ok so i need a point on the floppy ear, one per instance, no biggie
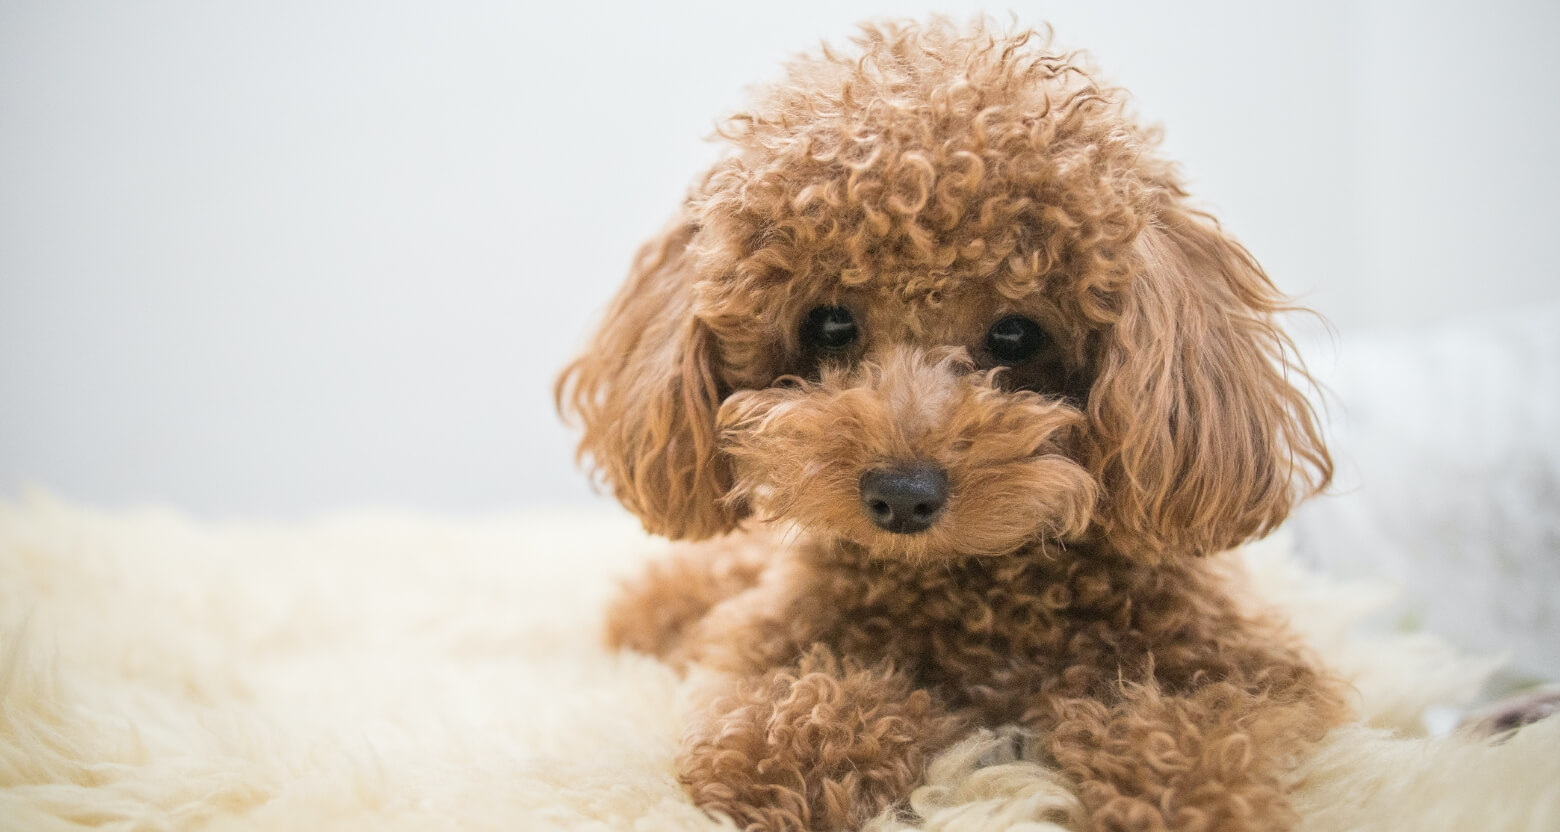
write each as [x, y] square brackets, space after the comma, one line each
[646, 394]
[1204, 442]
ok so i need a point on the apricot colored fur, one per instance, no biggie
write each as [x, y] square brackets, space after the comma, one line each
[932, 181]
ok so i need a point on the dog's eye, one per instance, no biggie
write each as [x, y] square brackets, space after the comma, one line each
[1014, 339]
[829, 328]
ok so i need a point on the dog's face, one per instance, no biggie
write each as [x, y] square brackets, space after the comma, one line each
[943, 299]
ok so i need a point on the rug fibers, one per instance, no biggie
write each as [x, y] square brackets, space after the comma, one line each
[398, 672]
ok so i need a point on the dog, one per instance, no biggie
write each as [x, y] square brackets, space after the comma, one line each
[963, 400]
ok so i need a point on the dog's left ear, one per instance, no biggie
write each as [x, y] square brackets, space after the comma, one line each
[1203, 439]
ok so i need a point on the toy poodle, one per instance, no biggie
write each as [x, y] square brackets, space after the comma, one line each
[969, 400]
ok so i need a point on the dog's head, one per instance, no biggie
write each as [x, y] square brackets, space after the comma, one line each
[943, 298]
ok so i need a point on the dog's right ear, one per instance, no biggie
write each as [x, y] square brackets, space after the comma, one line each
[646, 393]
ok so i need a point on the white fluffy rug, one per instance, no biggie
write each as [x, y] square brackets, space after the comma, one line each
[396, 672]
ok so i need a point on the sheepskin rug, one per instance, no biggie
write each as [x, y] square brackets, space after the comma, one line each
[387, 671]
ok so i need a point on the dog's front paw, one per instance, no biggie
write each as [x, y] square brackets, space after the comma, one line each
[824, 745]
[655, 611]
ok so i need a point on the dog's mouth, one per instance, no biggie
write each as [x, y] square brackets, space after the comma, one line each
[909, 459]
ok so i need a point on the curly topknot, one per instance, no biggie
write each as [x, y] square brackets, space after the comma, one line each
[935, 155]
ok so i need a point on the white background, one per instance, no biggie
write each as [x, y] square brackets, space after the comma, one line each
[274, 259]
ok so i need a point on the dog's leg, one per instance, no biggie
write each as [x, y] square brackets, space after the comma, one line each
[655, 609]
[1214, 758]
[821, 745]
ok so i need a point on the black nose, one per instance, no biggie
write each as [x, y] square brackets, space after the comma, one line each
[905, 499]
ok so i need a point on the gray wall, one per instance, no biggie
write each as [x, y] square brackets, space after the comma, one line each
[284, 258]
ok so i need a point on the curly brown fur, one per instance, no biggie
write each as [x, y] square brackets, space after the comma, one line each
[819, 743]
[932, 183]
[678, 590]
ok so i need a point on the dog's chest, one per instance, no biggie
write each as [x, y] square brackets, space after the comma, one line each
[985, 623]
